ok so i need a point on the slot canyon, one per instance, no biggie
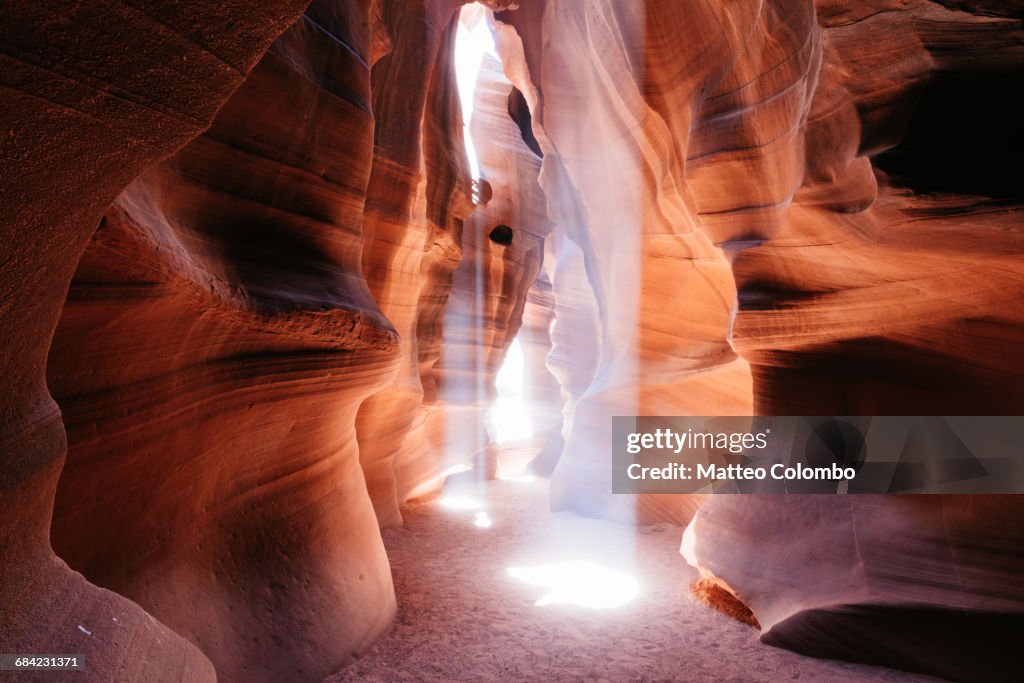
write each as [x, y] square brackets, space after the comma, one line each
[314, 317]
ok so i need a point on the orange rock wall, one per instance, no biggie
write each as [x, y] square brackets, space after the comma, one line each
[810, 162]
[93, 93]
[281, 314]
[217, 342]
[491, 286]
[418, 196]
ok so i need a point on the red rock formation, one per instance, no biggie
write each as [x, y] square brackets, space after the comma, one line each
[286, 328]
[865, 297]
[93, 93]
[418, 196]
[859, 293]
[230, 330]
[245, 256]
[213, 470]
[503, 246]
[926, 583]
[643, 299]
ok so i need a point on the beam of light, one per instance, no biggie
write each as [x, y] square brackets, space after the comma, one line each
[578, 582]
[482, 520]
[468, 436]
[508, 418]
[473, 40]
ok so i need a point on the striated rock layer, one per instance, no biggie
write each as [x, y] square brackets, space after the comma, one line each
[418, 195]
[894, 295]
[643, 297]
[888, 294]
[216, 344]
[246, 358]
[782, 154]
[283, 327]
[503, 249]
[240, 357]
[926, 583]
[92, 94]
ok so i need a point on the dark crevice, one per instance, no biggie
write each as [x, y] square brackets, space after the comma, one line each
[502, 234]
[964, 138]
[520, 113]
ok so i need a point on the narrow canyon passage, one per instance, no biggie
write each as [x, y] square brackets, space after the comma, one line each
[463, 616]
[291, 290]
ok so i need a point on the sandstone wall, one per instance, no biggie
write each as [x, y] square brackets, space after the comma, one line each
[784, 155]
[261, 286]
[93, 93]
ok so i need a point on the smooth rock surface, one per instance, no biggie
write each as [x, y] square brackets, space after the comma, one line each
[93, 93]
[785, 157]
[271, 302]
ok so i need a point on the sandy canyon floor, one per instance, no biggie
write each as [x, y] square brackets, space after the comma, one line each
[463, 616]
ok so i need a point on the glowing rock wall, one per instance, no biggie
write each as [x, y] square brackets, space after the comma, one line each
[93, 94]
[782, 155]
[281, 310]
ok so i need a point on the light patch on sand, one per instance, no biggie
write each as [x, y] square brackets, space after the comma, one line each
[578, 582]
[460, 503]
